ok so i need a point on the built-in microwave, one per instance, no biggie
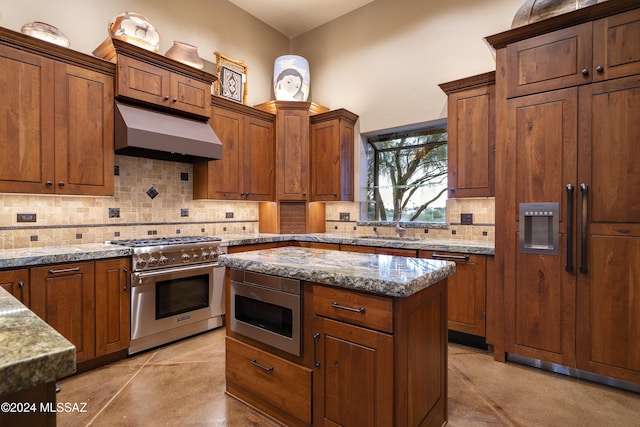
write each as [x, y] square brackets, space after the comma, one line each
[267, 309]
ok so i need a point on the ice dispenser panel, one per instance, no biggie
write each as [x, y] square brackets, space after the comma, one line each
[539, 224]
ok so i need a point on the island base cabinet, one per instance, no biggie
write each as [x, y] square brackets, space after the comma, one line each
[363, 376]
[269, 383]
[352, 382]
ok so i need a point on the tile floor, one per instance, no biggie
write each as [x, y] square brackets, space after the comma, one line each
[183, 385]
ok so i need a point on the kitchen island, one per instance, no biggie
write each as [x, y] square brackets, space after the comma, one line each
[32, 356]
[373, 339]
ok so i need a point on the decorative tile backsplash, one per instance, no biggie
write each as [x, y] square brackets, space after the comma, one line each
[154, 197]
[131, 213]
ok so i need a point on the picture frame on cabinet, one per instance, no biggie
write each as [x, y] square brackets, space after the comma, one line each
[232, 78]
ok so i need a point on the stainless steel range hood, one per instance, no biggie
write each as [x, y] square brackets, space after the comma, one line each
[147, 133]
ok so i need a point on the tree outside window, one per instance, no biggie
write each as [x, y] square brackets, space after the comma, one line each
[407, 175]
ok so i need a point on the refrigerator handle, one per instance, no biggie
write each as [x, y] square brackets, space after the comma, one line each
[584, 189]
[569, 265]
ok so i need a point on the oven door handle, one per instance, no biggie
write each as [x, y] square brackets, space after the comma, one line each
[138, 277]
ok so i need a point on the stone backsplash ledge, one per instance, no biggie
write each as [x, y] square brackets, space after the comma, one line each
[154, 197]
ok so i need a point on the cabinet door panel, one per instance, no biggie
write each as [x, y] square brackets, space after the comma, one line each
[616, 44]
[225, 179]
[26, 122]
[113, 306]
[353, 384]
[325, 178]
[84, 131]
[16, 282]
[471, 141]
[139, 80]
[63, 296]
[608, 291]
[293, 154]
[258, 160]
[190, 95]
[539, 293]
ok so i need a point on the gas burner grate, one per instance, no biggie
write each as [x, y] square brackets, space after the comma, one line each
[162, 241]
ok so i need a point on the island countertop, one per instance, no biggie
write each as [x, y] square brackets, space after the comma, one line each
[32, 352]
[386, 275]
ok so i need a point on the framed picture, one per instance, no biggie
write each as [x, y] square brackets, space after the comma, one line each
[232, 78]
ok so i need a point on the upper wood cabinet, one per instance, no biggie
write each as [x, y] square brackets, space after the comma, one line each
[154, 79]
[56, 130]
[246, 170]
[292, 147]
[332, 147]
[593, 51]
[471, 131]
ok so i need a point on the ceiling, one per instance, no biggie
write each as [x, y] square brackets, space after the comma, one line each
[294, 17]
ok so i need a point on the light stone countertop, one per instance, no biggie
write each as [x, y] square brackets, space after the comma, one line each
[31, 352]
[387, 275]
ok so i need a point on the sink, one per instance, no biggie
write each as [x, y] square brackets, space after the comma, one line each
[404, 239]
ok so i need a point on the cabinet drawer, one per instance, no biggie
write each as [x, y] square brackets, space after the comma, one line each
[268, 379]
[550, 61]
[369, 311]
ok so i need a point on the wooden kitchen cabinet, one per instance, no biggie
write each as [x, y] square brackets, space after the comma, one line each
[268, 382]
[381, 361]
[581, 54]
[155, 79]
[63, 295]
[471, 130]
[247, 168]
[332, 155]
[113, 302]
[466, 291]
[16, 282]
[57, 119]
[574, 144]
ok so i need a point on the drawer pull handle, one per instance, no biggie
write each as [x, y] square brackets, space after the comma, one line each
[254, 362]
[342, 307]
[64, 270]
[21, 286]
[464, 257]
[316, 337]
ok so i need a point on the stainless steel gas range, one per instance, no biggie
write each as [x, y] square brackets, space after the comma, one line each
[177, 288]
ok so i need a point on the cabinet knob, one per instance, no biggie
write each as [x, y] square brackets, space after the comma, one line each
[600, 68]
[585, 72]
[49, 183]
[453, 190]
[335, 195]
[166, 98]
[175, 100]
[61, 184]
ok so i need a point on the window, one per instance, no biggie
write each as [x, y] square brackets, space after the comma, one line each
[407, 175]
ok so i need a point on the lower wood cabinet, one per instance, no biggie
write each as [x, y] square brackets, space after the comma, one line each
[466, 292]
[379, 361]
[64, 297]
[16, 282]
[270, 383]
[86, 302]
[113, 302]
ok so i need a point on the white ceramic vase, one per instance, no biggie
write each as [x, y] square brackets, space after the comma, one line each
[291, 78]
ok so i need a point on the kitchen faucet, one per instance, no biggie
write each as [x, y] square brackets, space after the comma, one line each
[399, 230]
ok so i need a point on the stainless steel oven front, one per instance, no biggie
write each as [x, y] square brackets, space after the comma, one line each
[267, 309]
[176, 302]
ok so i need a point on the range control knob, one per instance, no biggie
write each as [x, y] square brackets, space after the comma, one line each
[153, 261]
[204, 255]
[163, 260]
[141, 263]
[185, 257]
[195, 256]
